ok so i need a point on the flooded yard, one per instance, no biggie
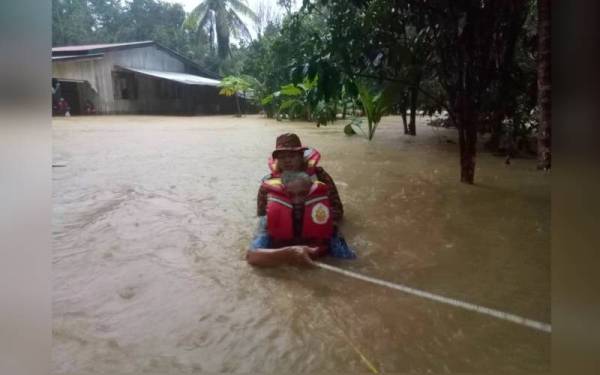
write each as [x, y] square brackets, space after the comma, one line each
[152, 217]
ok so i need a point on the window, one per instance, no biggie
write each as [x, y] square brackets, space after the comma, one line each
[124, 85]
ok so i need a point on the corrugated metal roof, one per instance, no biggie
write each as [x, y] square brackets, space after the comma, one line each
[77, 57]
[89, 49]
[188, 79]
[94, 47]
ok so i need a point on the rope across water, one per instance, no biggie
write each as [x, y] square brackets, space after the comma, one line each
[540, 326]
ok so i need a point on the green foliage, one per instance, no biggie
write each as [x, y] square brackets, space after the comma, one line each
[286, 4]
[256, 90]
[72, 22]
[267, 99]
[221, 19]
[291, 90]
[282, 49]
[323, 113]
[294, 108]
[354, 127]
[294, 101]
[374, 105]
[232, 85]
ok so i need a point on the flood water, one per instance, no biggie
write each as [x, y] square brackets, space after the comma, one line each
[152, 217]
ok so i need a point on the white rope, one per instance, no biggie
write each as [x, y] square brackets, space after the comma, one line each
[449, 301]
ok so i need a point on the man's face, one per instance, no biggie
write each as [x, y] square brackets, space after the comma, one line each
[298, 191]
[289, 161]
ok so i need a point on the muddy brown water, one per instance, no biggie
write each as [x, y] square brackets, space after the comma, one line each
[152, 217]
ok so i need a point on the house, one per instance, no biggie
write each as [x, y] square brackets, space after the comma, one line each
[138, 77]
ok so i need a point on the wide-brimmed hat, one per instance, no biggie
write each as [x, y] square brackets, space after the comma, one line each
[288, 142]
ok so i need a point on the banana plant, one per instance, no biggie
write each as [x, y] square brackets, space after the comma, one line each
[256, 89]
[293, 100]
[271, 103]
[233, 86]
[374, 105]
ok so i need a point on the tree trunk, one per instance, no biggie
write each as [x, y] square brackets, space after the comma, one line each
[334, 111]
[544, 137]
[467, 137]
[467, 112]
[512, 144]
[244, 109]
[344, 108]
[237, 103]
[495, 131]
[414, 95]
[505, 105]
[403, 114]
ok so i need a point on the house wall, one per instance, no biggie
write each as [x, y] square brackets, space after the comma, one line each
[98, 72]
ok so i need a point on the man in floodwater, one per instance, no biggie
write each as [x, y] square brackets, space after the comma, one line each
[298, 225]
[291, 156]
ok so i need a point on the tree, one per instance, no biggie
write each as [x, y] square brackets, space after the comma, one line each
[384, 40]
[281, 49]
[259, 61]
[111, 20]
[465, 43]
[72, 22]
[152, 20]
[221, 19]
[287, 5]
[544, 85]
[470, 38]
[402, 52]
[509, 101]
[114, 21]
[266, 15]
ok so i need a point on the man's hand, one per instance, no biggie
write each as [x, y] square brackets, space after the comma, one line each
[292, 255]
[302, 255]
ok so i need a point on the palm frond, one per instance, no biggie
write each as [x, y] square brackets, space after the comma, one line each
[240, 6]
[198, 17]
[198, 13]
[238, 28]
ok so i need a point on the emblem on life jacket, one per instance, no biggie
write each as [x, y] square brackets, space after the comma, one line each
[320, 213]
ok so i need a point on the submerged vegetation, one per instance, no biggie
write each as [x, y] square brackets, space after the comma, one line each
[483, 64]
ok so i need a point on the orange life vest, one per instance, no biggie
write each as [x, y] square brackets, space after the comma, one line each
[311, 157]
[317, 222]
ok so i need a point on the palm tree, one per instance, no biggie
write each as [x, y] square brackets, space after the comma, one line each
[221, 19]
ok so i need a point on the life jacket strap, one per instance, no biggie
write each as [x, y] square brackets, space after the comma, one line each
[280, 201]
[314, 200]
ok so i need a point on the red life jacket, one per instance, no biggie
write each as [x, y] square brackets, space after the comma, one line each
[311, 157]
[317, 222]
